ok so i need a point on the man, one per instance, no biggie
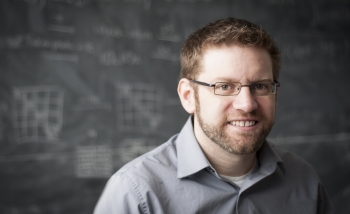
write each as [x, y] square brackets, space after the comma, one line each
[221, 162]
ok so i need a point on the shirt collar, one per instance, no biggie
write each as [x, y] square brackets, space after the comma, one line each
[191, 158]
[268, 158]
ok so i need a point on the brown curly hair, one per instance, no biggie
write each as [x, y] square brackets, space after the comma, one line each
[229, 31]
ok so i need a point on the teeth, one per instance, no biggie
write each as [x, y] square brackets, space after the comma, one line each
[243, 123]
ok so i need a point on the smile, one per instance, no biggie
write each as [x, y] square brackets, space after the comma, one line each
[243, 123]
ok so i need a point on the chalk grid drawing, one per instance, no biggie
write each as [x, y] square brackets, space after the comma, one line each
[133, 148]
[139, 107]
[94, 161]
[38, 113]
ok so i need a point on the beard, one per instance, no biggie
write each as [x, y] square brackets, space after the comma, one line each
[239, 143]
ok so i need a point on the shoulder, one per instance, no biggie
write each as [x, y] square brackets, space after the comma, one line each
[129, 189]
[151, 162]
[147, 171]
[293, 163]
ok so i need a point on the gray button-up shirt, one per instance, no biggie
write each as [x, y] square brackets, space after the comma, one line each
[176, 177]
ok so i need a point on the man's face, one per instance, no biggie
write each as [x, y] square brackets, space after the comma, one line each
[240, 123]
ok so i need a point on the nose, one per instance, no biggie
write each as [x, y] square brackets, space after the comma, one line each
[245, 101]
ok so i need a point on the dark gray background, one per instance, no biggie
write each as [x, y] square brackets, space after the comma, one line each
[87, 85]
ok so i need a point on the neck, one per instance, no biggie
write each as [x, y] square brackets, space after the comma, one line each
[228, 164]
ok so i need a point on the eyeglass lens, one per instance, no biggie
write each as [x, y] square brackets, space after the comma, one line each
[258, 89]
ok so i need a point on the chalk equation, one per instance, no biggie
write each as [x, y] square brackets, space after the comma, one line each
[38, 113]
[133, 148]
[94, 161]
[117, 32]
[139, 107]
[37, 42]
[330, 47]
[110, 58]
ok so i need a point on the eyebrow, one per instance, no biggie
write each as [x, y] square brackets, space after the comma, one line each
[224, 79]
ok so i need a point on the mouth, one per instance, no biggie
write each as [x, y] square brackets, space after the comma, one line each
[243, 123]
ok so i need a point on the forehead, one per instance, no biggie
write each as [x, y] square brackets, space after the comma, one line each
[236, 63]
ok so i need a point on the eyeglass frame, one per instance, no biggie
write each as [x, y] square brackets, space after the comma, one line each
[275, 83]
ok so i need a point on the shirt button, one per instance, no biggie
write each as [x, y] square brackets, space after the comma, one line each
[211, 170]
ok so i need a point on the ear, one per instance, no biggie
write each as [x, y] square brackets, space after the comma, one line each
[186, 94]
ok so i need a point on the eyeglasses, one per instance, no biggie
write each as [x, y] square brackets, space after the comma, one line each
[233, 88]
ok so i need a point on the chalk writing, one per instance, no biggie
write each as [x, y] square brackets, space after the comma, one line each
[319, 46]
[116, 32]
[38, 42]
[58, 17]
[133, 148]
[335, 14]
[38, 157]
[299, 52]
[139, 35]
[38, 113]
[14, 42]
[94, 161]
[168, 33]
[139, 107]
[109, 31]
[110, 58]
[83, 3]
[165, 53]
[62, 29]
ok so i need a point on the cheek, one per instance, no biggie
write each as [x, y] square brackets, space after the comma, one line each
[213, 108]
[268, 107]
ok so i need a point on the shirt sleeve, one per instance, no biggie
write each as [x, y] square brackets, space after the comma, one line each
[324, 203]
[121, 195]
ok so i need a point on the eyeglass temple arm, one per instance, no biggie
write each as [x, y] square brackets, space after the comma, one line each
[202, 83]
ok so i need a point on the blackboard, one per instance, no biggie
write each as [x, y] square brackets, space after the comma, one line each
[87, 85]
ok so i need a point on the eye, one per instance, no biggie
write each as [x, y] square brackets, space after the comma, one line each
[225, 87]
[260, 86]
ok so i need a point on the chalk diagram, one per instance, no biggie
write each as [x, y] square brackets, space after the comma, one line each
[38, 113]
[94, 161]
[133, 148]
[139, 107]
